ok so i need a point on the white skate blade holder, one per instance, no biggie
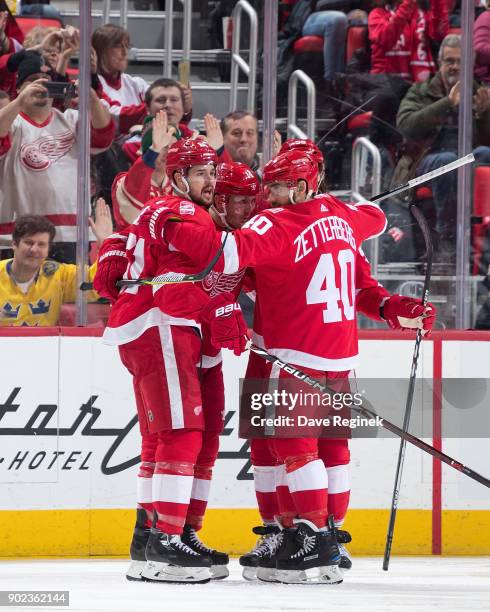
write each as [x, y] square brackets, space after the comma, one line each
[135, 570]
[249, 573]
[267, 574]
[329, 574]
[219, 572]
[163, 572]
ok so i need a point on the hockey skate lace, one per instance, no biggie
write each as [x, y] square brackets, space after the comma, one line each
[198, 544]
[177, 542]
[308, 546]
[273, 543]
[264, 544]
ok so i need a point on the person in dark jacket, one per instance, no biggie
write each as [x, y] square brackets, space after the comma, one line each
[428, 119]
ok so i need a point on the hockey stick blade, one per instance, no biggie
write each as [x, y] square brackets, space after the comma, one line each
[175, 277]
[367, 411]
[419, 180]
[168, 278]
[424, 227]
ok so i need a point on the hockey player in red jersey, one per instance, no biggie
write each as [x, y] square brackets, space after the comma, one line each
[272, 494]
[159, 345]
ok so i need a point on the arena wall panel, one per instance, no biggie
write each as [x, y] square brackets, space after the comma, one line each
[69, 446]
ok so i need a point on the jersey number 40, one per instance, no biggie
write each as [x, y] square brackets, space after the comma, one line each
[323, 288]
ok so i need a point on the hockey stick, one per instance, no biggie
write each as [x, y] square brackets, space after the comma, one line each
[175, 277]
[467, 159]
[367, 411]
[422, 222]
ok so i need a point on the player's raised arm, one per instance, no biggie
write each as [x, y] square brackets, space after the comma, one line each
[259, 241]
[368, 219]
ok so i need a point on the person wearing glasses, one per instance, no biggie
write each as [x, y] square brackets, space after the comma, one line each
[428, 119]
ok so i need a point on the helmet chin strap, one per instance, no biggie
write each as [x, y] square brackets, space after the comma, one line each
[221, 215]
[187, 186]
[292, 199]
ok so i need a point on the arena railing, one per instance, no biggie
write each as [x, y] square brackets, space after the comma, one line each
[237, 61]
[293, 129]
[362, 149]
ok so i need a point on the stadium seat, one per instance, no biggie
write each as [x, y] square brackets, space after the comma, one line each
[27, 23]
[308, 44]
[308, 56]
[481, 214]
[357, 38]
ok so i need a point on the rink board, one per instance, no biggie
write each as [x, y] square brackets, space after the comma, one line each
[69, 447]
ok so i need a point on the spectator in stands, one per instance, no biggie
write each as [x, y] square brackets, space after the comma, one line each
[241, 137]
[481, 38]
[39, 151]
[33, 287]
[330, 18]
[11, 39]
[163, 94]
[400, 34]
[428, 118]
[56, 45]
[111, 45]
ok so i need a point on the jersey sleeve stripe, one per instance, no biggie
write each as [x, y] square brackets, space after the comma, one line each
[230, 253]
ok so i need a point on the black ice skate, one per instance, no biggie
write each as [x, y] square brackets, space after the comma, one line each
[280, 546]
[267, 540]
[317, 559]
[170, 560]
[344, 537]
[220, 560]
[141, 534]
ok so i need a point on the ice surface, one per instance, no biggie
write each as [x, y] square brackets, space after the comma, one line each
[412, 583]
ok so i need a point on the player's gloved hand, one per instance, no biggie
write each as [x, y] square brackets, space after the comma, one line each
[226, 323]
[401, 312]
[111, 267]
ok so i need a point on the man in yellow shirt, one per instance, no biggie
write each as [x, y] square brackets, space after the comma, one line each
[32, 287]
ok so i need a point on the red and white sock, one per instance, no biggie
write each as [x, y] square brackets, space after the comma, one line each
[306, 477]
[176, 456]
[201, 486]
[338, 492]
[265, 491]
[171, 492]
[285, 502]
[144, 494]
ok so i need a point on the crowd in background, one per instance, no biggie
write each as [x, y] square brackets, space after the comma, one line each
[408, 69]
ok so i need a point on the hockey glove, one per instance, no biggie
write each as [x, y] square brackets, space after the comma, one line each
[401, 312]
[110, 269]
[227, 326]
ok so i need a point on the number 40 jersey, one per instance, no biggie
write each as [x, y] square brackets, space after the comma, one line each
[303, 258]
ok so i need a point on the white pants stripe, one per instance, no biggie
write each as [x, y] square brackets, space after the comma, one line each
[175, 396]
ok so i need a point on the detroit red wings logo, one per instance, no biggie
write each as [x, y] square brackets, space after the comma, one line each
[44, 151]
[217, 282]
